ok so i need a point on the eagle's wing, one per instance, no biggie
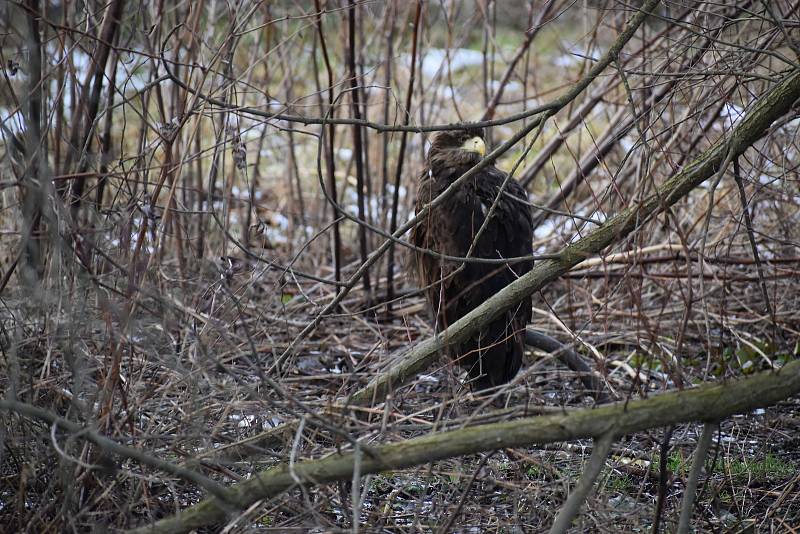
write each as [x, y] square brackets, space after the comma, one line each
[512, 224]
[494, 355]
[439, 231]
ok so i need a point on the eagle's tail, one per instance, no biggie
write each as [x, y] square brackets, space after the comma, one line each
[495, 355]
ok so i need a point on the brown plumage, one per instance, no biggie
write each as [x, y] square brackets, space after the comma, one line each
[494, 355]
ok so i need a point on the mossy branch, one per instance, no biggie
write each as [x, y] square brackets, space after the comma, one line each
[704, 403]
[767, 109]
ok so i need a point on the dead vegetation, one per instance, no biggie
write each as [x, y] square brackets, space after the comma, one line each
[173, 279]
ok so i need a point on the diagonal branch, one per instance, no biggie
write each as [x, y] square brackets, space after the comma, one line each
[611, 55]
[766, 110]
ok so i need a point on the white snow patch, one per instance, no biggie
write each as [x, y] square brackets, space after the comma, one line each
[436, 60]
[428, 378]
[544, 230]
[281, 220]
[731, 113]
[626, 143]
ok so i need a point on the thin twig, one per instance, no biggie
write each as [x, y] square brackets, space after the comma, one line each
[663, 471]
[748, 221]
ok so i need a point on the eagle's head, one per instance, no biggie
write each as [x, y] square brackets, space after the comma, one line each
[456, 147]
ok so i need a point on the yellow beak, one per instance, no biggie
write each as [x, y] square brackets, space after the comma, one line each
[475, 144]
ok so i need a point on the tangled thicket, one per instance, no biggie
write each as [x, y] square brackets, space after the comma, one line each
[186, 187]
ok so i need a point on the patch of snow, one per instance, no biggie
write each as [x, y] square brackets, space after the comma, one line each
[791, 127]
[627, 143]
[401, 193]
[446, 92]
[428, 378]
[436, 60]
[272, 422]
[281, 220]
[565, 60]
[766, 179]
[544, 230]
[253, 132]
[511, 86]
[731, 113]
[574, 54]
[243, 421]
[15, 123]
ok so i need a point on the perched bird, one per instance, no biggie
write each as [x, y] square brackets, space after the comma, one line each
[453, 288]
